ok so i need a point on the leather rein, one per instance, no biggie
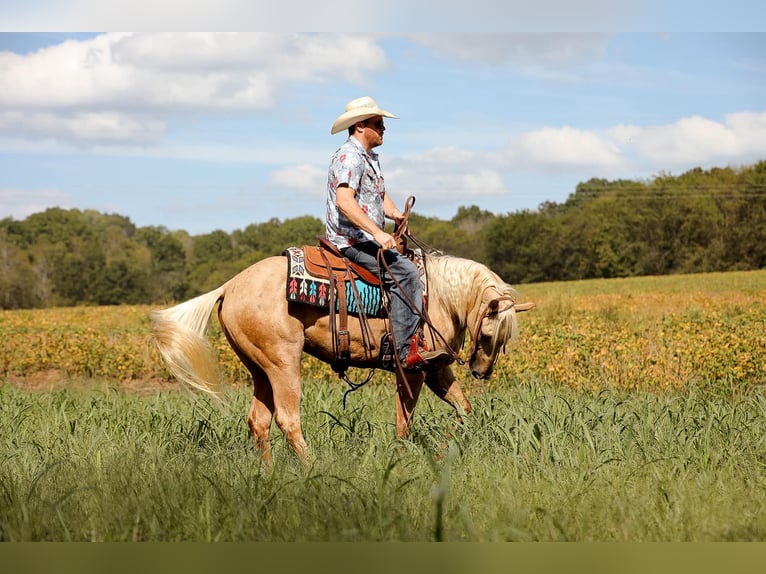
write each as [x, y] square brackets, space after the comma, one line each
[484, 314]
[401, 235]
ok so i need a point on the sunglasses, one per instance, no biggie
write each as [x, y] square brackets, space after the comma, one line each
[377, 126]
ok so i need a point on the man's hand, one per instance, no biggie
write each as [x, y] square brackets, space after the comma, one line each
[398, 218]
[385, 240]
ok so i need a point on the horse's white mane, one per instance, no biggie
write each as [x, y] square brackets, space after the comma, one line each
[459, 285]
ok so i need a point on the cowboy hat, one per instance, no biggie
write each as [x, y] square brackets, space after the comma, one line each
[358, 110]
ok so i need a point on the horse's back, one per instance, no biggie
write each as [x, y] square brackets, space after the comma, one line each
[262, 324]
[263, 272]
[256, 290]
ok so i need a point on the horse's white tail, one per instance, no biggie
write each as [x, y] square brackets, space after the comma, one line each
[179, 333]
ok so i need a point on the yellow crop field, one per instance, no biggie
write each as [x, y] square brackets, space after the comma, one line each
[649, 333]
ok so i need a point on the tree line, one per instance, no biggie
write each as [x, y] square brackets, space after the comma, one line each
[700, 221]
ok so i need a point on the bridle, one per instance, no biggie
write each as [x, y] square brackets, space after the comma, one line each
[401, 234]
[483, 315]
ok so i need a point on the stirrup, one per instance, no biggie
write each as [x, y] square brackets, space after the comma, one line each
[386, 356]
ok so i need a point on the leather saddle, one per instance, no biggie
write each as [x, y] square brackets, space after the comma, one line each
[325, 260]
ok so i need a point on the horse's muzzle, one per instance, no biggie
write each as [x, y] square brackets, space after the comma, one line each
[481, 376]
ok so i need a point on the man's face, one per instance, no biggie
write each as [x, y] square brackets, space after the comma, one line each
[373, 131]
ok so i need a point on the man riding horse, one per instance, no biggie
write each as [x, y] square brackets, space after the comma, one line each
[357, 206]
[269, 331]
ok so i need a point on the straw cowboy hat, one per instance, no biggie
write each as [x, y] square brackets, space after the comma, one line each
[358, 110]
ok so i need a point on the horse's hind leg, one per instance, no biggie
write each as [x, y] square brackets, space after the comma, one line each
[276, 396]
[261, 412]
[286, 389]
[256, 320]
[262, 406]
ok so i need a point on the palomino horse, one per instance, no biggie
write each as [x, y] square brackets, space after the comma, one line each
[268, 333]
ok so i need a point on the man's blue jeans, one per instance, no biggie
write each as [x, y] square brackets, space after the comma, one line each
[405, 320]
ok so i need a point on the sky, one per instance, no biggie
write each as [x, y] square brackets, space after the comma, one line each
[220, 130]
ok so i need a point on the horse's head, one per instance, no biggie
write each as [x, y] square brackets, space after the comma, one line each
[480, 303]
[495, 327]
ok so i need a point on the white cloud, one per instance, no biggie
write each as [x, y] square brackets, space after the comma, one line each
[446, 174]
[443, 175]
[696, 141]
[103, 126]
[130, 84]
[445, 183]
[627, 151]
[20, 204]
[551, 149]
[307, 179]
[689, 139]
[750, 128]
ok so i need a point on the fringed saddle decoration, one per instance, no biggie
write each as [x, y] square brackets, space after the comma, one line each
[313, 289]
[321, 276]
[306, 284]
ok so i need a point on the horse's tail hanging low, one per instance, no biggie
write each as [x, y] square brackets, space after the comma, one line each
[179, 334]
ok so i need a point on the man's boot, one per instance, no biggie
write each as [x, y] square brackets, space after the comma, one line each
[419, 355]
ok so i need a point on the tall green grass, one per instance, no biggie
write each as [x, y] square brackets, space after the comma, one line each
[629, 409]
[534, 462]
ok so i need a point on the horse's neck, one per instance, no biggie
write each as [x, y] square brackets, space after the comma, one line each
[462, 287]
[458, 289]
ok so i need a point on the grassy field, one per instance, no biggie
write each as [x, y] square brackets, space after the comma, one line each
[629, 410]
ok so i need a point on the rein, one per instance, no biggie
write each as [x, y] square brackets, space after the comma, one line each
[401, 235]
[484, 314]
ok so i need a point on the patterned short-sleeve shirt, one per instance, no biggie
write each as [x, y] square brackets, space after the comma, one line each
[360, 169]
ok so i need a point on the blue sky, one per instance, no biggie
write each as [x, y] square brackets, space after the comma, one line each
[218, 131]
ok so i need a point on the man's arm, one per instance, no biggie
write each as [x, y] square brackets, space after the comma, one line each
[345, 199]
[390, 209]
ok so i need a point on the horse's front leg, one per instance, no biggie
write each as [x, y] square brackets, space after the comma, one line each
[441, 380]
[405, 403]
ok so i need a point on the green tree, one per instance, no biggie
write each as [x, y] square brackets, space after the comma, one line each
[746, 239]
[78, 276]
[212, 247]
[167, 269]
[17, 277]
[524, 247]
[701, 220]
[121, 282]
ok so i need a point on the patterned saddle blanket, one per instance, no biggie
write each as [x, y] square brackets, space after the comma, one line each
[305, 286]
